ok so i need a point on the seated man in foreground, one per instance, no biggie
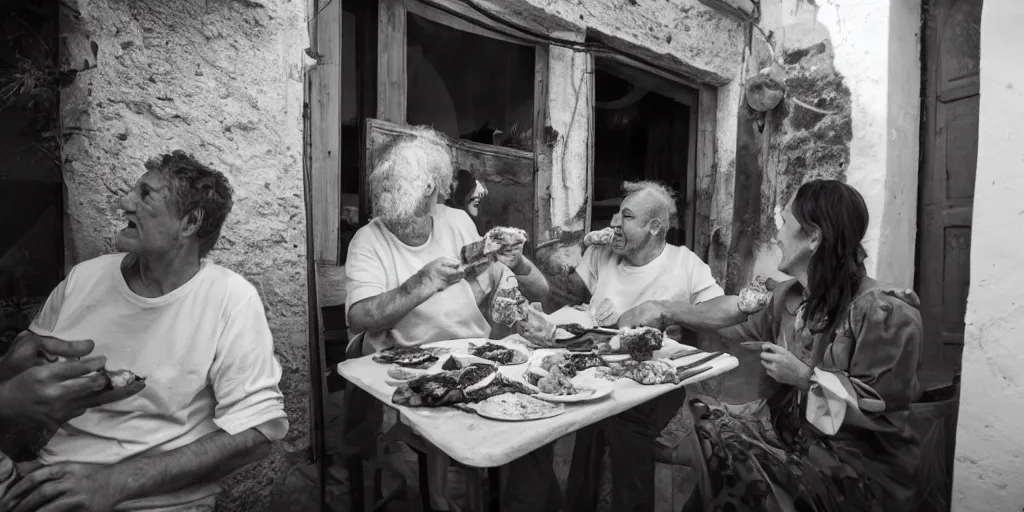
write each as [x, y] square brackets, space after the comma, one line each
[405, 283]
[196, 332]
[633, 267]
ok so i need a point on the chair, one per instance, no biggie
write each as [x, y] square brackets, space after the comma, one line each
[935, 418]
[330, 294]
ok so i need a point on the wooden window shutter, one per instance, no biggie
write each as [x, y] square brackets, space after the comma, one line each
[322, 187]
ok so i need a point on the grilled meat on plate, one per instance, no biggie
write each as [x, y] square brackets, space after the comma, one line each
[472, 383]
[554, 382]
[639, 342]
[571, 364]
[645, 372]
[499, 354]
[413, 357]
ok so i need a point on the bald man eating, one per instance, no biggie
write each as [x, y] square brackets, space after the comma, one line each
[637, 267]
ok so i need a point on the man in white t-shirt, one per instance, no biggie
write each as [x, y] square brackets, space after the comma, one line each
[637, 267]
[404, 282]
[196, 332]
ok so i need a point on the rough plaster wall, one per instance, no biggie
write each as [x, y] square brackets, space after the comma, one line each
[569, 83]
[220, 79]
[989, 466]
[695, 34]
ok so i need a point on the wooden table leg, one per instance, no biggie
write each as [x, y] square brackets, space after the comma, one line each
[424, 481]
[494, 488]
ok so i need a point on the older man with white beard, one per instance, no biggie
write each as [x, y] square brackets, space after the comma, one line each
[405, 285]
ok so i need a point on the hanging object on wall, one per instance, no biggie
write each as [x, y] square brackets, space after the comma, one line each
[766, 89]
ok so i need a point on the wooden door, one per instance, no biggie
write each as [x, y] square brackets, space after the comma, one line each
[949, 155]
[507, 173]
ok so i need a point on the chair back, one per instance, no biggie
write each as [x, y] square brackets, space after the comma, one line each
[934, 421]
[330, 285]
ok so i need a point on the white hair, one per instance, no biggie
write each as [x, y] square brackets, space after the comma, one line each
[665, 202]
[403, 170]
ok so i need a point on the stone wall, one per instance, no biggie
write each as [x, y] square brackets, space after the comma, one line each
[864, 68]
[222, 80]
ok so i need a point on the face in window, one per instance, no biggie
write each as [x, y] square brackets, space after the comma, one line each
[154, 225]
[473, 201]
[634, 228]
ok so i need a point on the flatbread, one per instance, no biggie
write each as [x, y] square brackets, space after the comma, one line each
[517, 407]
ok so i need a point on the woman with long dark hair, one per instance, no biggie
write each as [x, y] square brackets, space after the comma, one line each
[843, 353]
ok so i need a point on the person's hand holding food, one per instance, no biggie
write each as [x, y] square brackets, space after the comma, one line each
[755, 297]
[46, 384]
[440, 274]
[511, 256]
[31, 349]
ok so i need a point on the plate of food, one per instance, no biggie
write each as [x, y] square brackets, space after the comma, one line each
[559, 379]
[457, 385]
[517, 407]
[397, 374]
[502, 352]
[411, 357]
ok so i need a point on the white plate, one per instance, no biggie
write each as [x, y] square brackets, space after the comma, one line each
[591, 389]
[616, 358]
[496, 408]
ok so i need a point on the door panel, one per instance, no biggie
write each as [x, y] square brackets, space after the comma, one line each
[949, 153]
[507, 173]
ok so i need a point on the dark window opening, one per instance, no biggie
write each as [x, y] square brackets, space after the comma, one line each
[638, 135]
[469, 86]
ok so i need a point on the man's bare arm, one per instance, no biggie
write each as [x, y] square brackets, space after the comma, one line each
[532, 282]
[708, 316]
[208, 459]
[383, 311]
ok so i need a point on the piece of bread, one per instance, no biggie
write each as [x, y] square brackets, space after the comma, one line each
[602, 237]
[496, 240]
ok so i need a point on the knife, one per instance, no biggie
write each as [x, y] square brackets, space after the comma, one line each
[692, 373]
[578, 330]
[710, 357]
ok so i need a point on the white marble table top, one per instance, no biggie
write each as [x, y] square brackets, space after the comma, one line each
[480, 442]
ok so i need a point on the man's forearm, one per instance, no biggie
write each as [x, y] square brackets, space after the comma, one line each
[385, 310]
[208, 459]
[708, 316]
[532, 282]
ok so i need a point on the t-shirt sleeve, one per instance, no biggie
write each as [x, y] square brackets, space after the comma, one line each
[45, 321]
[464, 227]
[364, 270]
[588, 267]
[245, 375]
[703, 286]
